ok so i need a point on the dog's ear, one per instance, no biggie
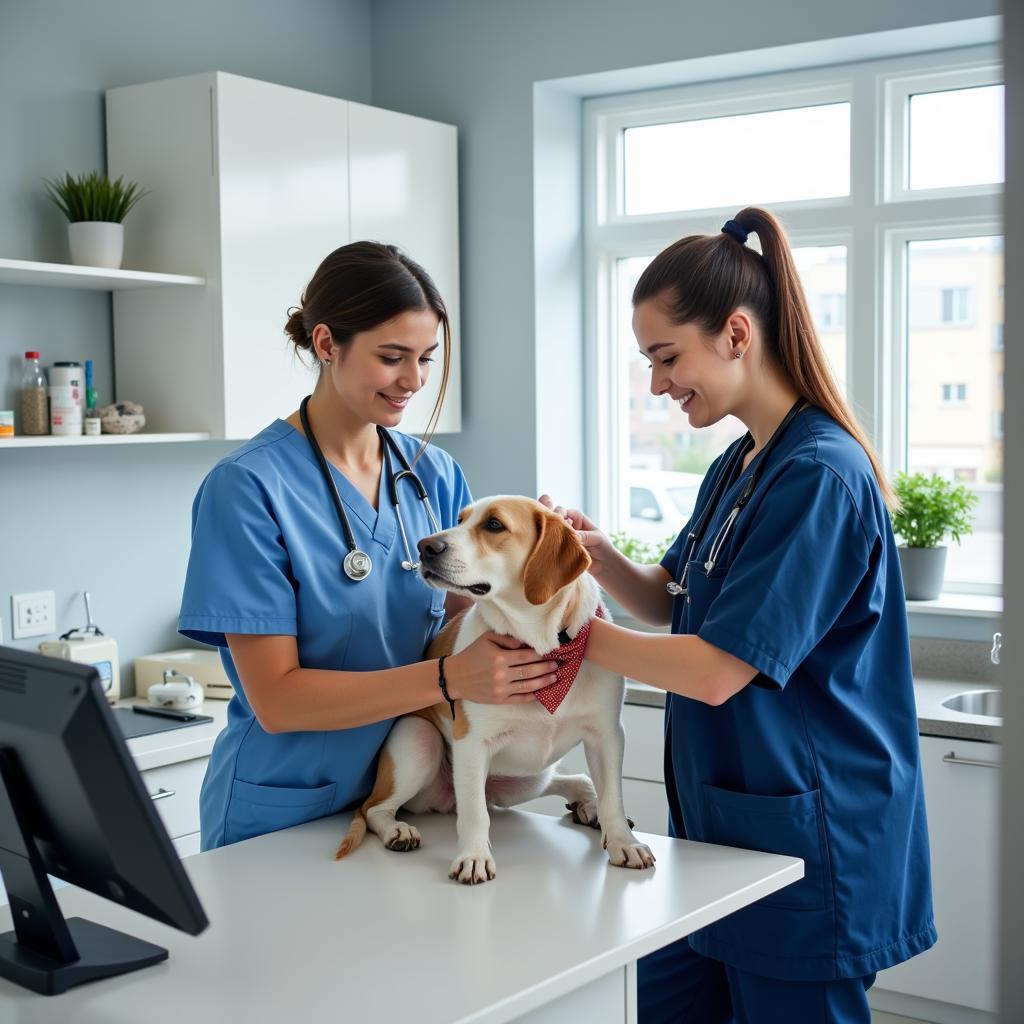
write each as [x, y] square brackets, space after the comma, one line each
[556, 560]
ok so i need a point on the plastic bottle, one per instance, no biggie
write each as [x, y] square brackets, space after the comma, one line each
[93, 426]
[90, 391]
[35, 415]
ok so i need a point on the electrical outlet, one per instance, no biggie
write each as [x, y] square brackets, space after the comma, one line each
[33, 614]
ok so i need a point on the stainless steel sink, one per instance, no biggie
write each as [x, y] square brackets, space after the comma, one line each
[977, 702]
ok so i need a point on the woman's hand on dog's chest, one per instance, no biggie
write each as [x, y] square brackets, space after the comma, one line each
[496, 669]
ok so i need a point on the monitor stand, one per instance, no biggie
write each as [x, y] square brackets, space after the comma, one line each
[45, 952]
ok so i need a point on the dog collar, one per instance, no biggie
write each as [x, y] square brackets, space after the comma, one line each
[569, 657]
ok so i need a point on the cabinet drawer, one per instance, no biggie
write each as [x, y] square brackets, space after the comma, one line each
[174, 789]
[645, 743]
[961, 788]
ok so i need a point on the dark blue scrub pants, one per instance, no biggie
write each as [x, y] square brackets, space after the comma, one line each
[675, 985]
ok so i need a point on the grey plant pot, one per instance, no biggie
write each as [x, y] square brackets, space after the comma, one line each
[923, 572]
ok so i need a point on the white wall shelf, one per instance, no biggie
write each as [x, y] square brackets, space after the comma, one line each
[51, 441]
[65, 275]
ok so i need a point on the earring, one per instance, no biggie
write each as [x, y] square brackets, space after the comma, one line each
[739, 355]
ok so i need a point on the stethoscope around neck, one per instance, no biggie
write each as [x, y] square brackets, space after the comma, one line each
[696, 535]
[357, 564]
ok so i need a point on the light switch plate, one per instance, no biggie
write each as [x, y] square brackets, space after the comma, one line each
[33, 614]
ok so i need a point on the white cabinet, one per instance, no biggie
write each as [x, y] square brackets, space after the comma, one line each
[961, 783]
[174, 790]
[403, 183]
[643, 778]
[251, 185]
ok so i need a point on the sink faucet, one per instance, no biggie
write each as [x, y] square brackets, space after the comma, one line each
[997, 646]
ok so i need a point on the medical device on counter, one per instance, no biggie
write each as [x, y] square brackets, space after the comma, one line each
[176, 691]
[89, 646]
[203, 666]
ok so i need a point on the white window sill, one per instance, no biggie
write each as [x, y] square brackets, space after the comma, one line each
[972, 617]
[985, 606]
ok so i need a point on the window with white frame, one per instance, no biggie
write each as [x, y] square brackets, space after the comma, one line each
[887, 176]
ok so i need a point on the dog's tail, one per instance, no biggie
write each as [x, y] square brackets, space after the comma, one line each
[354, 836]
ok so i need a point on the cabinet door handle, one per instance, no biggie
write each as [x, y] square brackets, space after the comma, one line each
[951, 758]
[162, 794]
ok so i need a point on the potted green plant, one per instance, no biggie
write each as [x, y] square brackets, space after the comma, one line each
[95, 207]
[930, 509]
[641, 551]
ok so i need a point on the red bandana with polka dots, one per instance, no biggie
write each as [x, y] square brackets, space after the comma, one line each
[569, 658]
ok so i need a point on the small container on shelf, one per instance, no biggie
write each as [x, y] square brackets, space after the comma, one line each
[6, 423]
[65, 412]
[35, 413]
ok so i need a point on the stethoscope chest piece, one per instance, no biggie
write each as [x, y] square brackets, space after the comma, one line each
[357, 565]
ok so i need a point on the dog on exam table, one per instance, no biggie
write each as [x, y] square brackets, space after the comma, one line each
[525, 569]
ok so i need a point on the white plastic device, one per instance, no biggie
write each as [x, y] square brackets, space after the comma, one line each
[176, 691]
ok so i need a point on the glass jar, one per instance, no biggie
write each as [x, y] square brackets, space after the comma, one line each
[35, 413]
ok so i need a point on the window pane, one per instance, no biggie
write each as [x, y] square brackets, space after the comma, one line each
[664, 458]
[803, 153]
[822, 271]
[955, 386]
[956, 137]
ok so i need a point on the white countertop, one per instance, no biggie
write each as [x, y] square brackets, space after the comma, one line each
[932, 718]
[935, 720]
[174, 745]
[298, 936]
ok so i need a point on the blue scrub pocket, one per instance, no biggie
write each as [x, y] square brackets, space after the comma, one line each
[255, 810]
[790, 825]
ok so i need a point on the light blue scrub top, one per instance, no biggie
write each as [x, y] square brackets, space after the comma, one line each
[266, 558]
[819, 757]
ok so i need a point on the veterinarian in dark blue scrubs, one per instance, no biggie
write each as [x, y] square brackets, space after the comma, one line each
[790, 720]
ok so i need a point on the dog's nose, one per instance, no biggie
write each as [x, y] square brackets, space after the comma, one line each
[431, 547]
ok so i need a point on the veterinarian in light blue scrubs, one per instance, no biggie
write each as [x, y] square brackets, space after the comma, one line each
[790, 718]
[266, 558]
[322, 659]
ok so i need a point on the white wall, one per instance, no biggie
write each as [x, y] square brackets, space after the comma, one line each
[116, 522]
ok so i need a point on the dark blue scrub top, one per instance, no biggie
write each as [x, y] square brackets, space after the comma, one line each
[819, 757]
[266, 558]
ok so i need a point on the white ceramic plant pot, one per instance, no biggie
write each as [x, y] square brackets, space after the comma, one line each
[923, 572]
[96, 243]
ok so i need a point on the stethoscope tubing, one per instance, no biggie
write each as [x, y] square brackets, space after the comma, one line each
[388, 445]
[696, 535]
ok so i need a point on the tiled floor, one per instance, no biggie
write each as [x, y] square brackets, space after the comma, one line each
[877, 1017]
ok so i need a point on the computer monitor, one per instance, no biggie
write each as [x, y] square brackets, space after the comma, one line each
[72, 805]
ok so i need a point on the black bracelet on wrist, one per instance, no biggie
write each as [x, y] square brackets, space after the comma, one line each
[443, 683]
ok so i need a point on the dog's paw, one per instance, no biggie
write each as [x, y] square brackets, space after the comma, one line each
[584, 813]
[402, 838]
[473, 866]
[629, 853]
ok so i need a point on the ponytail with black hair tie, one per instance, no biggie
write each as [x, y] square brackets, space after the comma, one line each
[736, 230]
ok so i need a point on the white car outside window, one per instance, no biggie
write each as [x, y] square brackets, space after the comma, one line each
[660, 503]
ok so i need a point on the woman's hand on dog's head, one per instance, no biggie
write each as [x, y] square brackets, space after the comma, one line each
[497, 669]
[599, 547]
[576, 519]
